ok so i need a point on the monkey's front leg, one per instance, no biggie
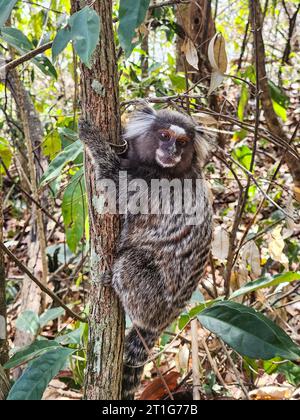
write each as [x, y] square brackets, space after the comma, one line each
[106, 161]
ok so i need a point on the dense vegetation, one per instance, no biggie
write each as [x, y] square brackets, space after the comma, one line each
[233, 66]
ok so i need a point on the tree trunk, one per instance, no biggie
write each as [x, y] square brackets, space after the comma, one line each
[107, 325]
[31, 296]
[3, 322]
[271, 118]
[196, 20]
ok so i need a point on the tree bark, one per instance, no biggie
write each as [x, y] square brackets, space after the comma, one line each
[100, 104]
[31, 296]
[197, 22]
[3, 319]
[271, 118]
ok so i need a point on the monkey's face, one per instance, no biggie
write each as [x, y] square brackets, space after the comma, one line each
[164, 139]
[174, 146]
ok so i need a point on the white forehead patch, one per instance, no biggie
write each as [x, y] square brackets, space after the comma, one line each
[179, 131]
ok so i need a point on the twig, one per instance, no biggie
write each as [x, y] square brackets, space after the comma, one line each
[213, 363]
[195, 361]
[46, 212]
[155, 365]
[44, 288]
[168, 3]
[26, 57]
[258, 186]
[236, 372]
[267, 192]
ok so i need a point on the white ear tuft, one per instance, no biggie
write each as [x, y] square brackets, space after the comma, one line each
[204, 143]
[139, 123]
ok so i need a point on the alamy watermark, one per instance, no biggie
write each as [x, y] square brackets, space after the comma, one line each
[159, 197]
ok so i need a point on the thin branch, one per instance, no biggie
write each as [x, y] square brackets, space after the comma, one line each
[21, 190]
[44, 288]
[213, 364]
[155, 365]
[26, 57]
[195, 361]
[236, 372]
[168, 3]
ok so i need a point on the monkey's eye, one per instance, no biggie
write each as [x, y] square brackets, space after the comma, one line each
[164, 135]
[182, 140]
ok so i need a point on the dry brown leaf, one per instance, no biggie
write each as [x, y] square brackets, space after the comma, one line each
[183, 357]
[271, 393]
[156, 390]
[218, 60]
[205, 119]
[190, 52]
[276, 246]
[220, 245]
[251, 256]
[217, 54]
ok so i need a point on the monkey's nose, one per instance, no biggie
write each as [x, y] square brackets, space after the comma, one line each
[171, 147]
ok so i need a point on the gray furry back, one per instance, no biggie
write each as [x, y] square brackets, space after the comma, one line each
[162, 253]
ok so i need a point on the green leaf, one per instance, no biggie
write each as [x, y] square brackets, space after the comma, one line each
[69, 154]
[178, 82]
[28, 322]
[264, 282]
[291, 372]
[199, 308]
[73, 337]
[278, 95]
[61, 41]
[50, 315]
[132, 14]
[243, 102]
[280, 111]
[37, 376]
[74, 209]
[30, 352]
[85, 30]
[52, 144]
[6, 7]
[183, 320]
[22, 44]
[16, 39]
[5, 155]
[248, 332]
[243, 155]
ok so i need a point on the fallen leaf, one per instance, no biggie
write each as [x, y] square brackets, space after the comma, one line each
[156, 390]
[183, 357]
[271, 393]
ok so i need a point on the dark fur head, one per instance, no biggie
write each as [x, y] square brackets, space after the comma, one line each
[165, 139]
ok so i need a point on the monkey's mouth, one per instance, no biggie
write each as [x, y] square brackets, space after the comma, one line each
[167, 161]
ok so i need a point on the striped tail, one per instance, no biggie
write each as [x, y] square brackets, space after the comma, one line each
[135, 355]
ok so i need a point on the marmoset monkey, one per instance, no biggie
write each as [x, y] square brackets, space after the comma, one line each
[160, 257]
